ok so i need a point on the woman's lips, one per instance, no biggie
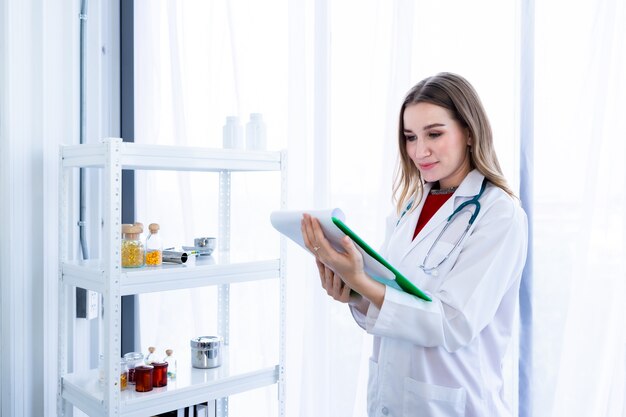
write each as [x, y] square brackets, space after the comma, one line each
[426, 167]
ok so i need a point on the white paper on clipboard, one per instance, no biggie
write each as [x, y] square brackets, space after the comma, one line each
[288, 222]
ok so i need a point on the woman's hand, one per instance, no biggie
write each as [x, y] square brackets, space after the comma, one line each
[348, 264]
[346, 267]
[334, 285]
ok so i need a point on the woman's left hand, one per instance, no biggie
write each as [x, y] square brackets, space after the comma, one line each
[334, 285]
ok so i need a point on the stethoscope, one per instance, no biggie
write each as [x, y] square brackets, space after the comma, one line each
[434, 270]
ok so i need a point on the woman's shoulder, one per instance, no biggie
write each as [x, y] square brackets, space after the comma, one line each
[498, 201]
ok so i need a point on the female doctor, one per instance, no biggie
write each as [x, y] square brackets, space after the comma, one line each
[441, 357]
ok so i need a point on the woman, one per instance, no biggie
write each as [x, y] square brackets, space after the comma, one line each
[444, 357]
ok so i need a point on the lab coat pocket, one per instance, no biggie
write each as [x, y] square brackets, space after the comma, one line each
[423, 399]
[372, 387]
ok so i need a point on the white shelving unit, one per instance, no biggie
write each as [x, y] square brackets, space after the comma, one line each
[106, 276]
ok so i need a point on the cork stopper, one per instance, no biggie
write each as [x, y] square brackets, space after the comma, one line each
[169, 352]
[154, 228]
[132, 231]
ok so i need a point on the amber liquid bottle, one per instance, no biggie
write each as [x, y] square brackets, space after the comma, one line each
[143, 378]
[159, 377]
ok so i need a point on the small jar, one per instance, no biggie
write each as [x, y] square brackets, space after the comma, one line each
[123, 375]
[143, 378]
[171, 363]
[132, 248]
[154, 246]
[133, 359]
[159, 376]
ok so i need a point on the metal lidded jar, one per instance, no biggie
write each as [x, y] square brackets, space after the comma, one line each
[206, 352]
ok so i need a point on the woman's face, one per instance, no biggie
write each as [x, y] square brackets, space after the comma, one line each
[437, 144]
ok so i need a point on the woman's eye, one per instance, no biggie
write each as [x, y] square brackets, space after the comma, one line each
[434, 135]
[410, 138]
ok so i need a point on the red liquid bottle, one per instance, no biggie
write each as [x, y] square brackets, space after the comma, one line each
[160, 374]
[143, 378]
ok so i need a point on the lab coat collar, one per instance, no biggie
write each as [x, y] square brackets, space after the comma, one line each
[470, 185]
[468, 189]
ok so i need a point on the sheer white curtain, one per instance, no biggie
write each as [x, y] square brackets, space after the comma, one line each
[198, 62]
[580, 232]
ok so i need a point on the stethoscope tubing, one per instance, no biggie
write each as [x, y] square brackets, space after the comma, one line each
[473, 201]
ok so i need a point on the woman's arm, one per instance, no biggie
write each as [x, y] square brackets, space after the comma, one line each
[487, 268]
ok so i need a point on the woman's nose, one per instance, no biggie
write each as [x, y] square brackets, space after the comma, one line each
[420, 149]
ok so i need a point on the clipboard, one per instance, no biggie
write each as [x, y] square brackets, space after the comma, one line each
[334, 228]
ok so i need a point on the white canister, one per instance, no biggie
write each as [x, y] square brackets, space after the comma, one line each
[232, 134]
[206, 352]
[256, 136]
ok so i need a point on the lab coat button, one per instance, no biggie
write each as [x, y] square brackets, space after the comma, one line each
[385, 410]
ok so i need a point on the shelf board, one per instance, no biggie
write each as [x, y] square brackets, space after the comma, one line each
[191, 386]
[162, 157]
[206, 271]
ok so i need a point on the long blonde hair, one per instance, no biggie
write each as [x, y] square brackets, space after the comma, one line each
[457, 95]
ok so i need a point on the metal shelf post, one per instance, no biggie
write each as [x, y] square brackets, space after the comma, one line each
[223, 292]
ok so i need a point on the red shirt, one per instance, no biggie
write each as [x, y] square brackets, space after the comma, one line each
[431, 205]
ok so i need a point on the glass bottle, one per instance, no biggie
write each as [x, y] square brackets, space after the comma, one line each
[101, 369]
[154, 246]
[123, 374]
[151, 356]
[133, 359]
[132, 248]
[171, 361]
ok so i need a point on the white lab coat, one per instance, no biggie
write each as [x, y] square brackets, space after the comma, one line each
[444, 358]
